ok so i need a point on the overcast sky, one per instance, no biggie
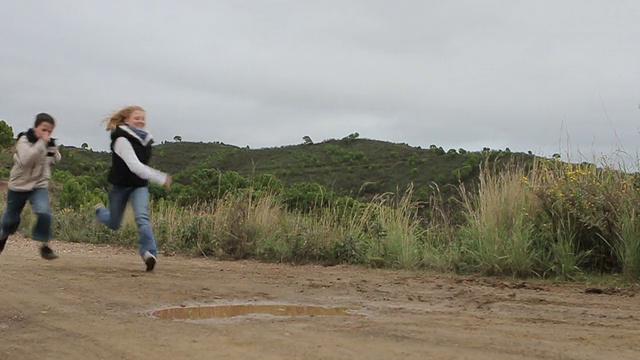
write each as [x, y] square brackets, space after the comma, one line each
[546, 76]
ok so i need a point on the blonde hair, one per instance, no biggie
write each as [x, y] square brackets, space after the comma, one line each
[117, 117]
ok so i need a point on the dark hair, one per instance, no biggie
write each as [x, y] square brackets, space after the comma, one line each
[44, 117]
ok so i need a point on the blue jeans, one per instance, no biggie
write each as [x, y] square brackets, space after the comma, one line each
[112, 218]
[39, 200]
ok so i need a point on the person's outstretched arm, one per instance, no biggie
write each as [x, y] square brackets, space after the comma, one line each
[123, 148]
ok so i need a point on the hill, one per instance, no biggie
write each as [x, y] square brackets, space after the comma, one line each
[349, 166]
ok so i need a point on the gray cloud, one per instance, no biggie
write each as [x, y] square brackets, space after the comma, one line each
[545, 76]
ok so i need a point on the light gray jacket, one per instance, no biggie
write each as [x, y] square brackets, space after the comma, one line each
[31, 165]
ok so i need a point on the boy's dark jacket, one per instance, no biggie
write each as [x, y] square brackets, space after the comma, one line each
[120, 174]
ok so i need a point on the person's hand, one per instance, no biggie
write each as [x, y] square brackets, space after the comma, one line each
[168, 182]
[51, 147]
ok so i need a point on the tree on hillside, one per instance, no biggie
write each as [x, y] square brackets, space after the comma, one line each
[177, 138]
[6, 135]
[352, 136]
[85, 146]
[307, 140]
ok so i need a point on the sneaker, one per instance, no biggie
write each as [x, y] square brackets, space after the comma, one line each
[3, 240]
[149, 260]
[97, 206]
[47, 253]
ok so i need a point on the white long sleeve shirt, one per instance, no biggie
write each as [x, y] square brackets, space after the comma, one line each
[122, 147]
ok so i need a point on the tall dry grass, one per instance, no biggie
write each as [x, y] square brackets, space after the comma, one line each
[549, 218]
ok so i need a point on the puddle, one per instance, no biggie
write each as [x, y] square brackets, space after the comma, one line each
[229, 311]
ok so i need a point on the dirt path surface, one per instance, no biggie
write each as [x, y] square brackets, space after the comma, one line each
[94, 303]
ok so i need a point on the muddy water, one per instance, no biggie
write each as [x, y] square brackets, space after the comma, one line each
[227, 311]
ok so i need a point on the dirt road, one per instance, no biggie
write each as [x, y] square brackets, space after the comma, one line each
[94, 303]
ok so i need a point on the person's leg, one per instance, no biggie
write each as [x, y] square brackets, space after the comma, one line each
[112, 218]
[147, 243]
[16, 200]
[39, 200]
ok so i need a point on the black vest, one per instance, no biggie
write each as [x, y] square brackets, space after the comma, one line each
[120, 175]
